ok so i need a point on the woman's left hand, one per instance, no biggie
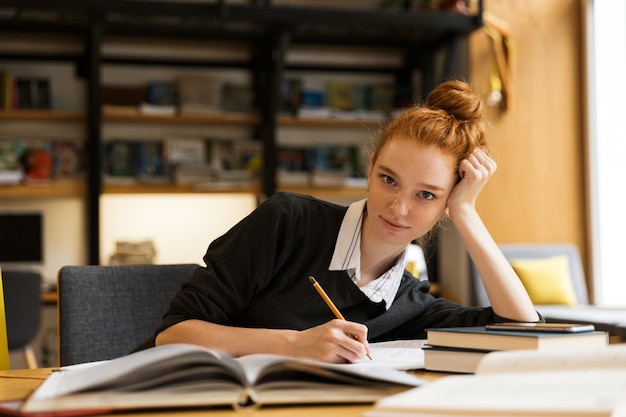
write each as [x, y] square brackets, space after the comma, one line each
[474, 172]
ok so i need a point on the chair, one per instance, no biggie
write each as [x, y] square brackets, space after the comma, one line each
[107, 311]
[610, 320]
[22, 304]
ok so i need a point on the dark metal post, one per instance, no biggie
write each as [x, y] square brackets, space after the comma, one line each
[94, 159]
[268, 82]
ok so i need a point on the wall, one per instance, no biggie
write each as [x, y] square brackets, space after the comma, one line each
[538, 193]
[181, 226]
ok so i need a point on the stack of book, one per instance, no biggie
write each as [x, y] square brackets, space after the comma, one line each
[460, 349]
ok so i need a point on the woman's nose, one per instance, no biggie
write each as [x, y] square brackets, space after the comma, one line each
[399, 206]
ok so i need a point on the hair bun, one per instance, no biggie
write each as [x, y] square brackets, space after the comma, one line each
[457, 99]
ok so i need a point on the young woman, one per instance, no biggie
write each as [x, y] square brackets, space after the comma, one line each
[254, 295]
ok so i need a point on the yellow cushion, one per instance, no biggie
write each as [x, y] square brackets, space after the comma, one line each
[547, 280]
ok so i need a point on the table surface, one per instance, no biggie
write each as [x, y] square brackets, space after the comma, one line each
[19, 383]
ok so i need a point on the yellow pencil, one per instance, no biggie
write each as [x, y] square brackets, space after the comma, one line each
[328, 301]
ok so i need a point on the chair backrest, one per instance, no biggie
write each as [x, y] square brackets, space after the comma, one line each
[536, 251]
[4, 347]
[107, 311]
[22, 304]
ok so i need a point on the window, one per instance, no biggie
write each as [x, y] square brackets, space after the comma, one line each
[606, 46]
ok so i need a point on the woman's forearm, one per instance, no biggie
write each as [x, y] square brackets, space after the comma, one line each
[507, 295]
[236, 341]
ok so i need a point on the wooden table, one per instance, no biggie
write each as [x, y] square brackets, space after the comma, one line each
[18, 384]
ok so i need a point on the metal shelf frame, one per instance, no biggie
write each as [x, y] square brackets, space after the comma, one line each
[269, 30]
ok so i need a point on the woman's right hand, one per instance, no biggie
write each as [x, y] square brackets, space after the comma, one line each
[337, 341]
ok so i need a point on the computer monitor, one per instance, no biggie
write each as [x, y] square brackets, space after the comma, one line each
[21, 238]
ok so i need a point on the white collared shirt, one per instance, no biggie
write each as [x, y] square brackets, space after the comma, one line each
[347, 257]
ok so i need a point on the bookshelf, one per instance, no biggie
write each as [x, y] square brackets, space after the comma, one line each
[265, 40]
[55, 189]
[43, 115]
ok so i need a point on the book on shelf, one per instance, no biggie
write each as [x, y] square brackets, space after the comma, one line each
[37, 162]
[290, 91]
[176, 376]
[339, 95]
[198, 94]
[24, 92]
[120, 160]
[150, 162]
[185, 149]
[565, 383]
[478, 337]
[237, 98]
[68, 158]
[32, 93]
[11, 176]
[10, 166]
[162, 93]
[161, 99]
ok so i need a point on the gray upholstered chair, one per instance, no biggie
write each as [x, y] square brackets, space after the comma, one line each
[107, 311]
[611, 320]
[22, 304]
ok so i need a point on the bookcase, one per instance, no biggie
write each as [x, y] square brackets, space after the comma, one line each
[264, 43]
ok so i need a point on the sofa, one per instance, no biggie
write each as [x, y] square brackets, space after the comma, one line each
[554, 278]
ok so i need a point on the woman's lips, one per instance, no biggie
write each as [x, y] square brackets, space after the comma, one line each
[393, 225]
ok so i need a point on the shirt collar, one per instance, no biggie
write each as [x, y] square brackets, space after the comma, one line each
[349, 239]
[347, 257]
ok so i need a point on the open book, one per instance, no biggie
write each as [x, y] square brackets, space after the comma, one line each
[568, 382]
[192, 376]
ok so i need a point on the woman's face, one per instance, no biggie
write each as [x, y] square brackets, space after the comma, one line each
[409, 185]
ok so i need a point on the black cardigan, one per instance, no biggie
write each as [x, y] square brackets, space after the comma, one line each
[257, 276]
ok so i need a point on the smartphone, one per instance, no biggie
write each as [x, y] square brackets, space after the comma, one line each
[542, 327]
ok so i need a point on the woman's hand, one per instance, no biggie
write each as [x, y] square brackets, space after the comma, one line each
[337, 341]
[474, 172]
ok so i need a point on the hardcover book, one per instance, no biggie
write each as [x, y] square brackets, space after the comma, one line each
[447, 359]
[480, 338]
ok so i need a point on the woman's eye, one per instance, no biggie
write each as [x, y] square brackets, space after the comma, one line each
[426, 195]
[387, 179]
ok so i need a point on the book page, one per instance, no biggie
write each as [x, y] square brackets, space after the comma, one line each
[402, 355]
[140, 366]
[411, 343]
[612, 356]
[258, 366]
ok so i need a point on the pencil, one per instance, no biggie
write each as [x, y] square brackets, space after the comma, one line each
[328, 301]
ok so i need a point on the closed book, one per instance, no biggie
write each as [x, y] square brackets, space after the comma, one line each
[480, 338]
[456, 360]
